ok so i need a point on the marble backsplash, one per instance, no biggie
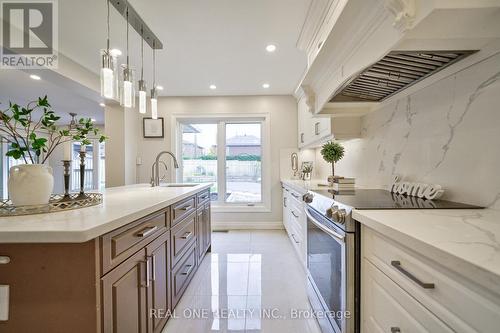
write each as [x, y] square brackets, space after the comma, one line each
[447, 133]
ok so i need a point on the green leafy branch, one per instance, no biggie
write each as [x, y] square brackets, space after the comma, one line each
[21, 128]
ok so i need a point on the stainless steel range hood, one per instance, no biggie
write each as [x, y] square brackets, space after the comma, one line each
[395, 72]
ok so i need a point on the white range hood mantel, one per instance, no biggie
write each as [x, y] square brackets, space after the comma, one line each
[362, 32]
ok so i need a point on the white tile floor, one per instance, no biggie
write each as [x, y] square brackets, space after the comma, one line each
[251, 282]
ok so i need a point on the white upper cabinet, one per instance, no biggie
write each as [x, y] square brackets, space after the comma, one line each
[343, 37]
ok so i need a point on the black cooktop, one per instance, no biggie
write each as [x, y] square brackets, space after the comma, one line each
[382, 199]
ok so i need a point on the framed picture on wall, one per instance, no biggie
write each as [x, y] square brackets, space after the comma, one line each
[152, 128]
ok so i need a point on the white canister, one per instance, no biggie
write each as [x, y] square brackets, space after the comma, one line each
[30, 184]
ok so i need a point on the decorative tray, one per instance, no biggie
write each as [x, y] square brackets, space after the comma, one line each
[57, 203]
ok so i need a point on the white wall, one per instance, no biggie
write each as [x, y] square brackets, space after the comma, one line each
[283, 128]
[122, 127]
[447, 133]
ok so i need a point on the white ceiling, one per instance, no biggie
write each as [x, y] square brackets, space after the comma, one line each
[219, 42]
[64, 95]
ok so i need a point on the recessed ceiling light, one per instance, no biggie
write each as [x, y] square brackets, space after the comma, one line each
[35, 77]
[213, 86]
[266, 85]
[271, 48]
[159, 87]
[102, 104]
[92, 120]
[115, 52]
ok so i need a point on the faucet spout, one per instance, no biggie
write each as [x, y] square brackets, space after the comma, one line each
[156, 166]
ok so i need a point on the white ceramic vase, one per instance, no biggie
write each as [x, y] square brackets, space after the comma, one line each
[30, 184]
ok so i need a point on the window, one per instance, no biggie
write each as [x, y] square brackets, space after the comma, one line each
[228, 152]
[94, 172]
[199, 155]
[243, 162]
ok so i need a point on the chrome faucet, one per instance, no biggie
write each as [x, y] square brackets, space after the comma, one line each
[152, 182]
[156, 167]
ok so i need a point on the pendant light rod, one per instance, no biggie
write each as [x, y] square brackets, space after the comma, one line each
[137, 23]
[142, 55]
[127, 36]
[107, 41]
[154, 67]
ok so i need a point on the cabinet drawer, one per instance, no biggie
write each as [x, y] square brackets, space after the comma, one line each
[202, 197]
[182, 209]
[388, 308]
[183, 237]
[464, 306]
[182, 274]
[119, 244]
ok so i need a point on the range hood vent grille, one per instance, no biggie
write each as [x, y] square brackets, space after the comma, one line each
[396, 71]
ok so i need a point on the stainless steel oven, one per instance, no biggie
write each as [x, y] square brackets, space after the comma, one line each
[333, 273]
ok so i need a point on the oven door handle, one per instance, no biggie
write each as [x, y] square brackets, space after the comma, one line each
[332, 233]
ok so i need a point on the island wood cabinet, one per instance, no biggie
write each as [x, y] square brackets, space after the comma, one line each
[127, 280]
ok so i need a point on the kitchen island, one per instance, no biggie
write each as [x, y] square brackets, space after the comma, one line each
[121, 266]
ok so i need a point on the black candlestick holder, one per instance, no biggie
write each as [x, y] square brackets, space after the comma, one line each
[67, 170]
[82, 174]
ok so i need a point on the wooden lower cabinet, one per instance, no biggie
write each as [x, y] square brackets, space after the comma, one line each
[203, 230]
[124, 296]
[158, 253]
[126, 281]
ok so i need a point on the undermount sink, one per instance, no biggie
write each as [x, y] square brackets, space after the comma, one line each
[178, 185]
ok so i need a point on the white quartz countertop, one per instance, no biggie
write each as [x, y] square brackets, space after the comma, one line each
[466, 241]
[305, 185]
[121, 205]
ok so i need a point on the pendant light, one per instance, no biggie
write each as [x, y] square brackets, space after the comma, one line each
[108, 67]
[154, 94]
[128, 94]
[142, 83]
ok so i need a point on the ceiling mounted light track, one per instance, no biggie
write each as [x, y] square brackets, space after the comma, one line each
[122, 6]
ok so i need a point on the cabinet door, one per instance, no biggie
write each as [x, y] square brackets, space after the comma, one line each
[124, 297]
[321, 127]
[207, 228]
[200, 235]
[304, 121]
[158, 291]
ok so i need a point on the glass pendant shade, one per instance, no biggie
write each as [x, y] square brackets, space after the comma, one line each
[127, 89]
[108, 75]
[154, 108]
[142, 96]
[154, 104]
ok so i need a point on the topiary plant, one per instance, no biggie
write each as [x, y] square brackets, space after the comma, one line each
[332, 152]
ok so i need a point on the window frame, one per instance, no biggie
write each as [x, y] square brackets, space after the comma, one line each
[221, 120]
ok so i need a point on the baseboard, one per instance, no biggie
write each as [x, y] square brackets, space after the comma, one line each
[227, 225]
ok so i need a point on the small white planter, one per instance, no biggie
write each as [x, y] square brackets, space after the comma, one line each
[30, 184]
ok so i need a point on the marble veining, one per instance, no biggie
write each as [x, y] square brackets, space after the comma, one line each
[446, 133]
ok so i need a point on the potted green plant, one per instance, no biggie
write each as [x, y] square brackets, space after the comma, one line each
[332, 152]
[33, 135]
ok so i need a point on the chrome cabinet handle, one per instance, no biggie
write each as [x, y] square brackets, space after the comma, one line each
[4, 260]
[186, 207]
[395, 330]
[294, 239]
[301, 137]
[293, 213]
[316, 128]
[190, 268]
[284, 202]
[295, 195]
[187, 235]
[147, 272]
[153, 268]
[147, 231]
[397, 264]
